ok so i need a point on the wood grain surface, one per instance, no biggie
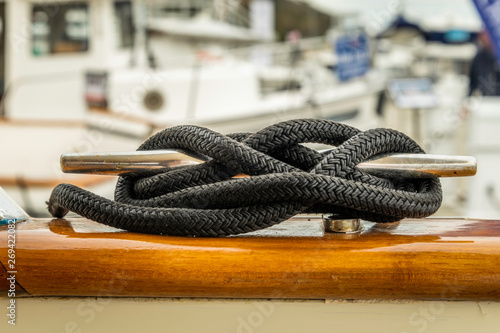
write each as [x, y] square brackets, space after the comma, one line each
[80, 181]
[449, 259]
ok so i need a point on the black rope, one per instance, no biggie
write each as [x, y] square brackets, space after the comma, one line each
[287, 178]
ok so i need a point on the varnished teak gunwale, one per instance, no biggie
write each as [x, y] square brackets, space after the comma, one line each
[452, 259]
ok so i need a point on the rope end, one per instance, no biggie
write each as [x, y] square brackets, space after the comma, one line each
[54, 208]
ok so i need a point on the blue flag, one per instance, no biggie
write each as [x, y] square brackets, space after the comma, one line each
[489, 10]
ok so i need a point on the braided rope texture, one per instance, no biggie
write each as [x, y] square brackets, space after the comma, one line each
[286, 178]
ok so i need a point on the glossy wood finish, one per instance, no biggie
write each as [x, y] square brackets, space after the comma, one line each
[452, 259]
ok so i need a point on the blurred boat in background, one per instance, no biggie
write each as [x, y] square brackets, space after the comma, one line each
[79, 81]
[194, 74]
[437, 41]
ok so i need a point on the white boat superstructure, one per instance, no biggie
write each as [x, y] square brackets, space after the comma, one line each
[196, 76]
[47, 48]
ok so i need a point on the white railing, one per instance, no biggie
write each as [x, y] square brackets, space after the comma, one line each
[281, 53]
[229, 11]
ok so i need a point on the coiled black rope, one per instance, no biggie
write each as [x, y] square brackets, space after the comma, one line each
[287, 178]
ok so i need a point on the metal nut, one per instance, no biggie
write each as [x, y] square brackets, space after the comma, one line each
[338, 224]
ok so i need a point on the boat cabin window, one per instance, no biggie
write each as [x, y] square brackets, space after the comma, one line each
[60, 28]
[124, 24]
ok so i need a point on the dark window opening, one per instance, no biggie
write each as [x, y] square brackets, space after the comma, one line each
[60, 28]
[124, 24]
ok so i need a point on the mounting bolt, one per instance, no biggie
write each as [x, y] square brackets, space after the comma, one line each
[335, 223]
